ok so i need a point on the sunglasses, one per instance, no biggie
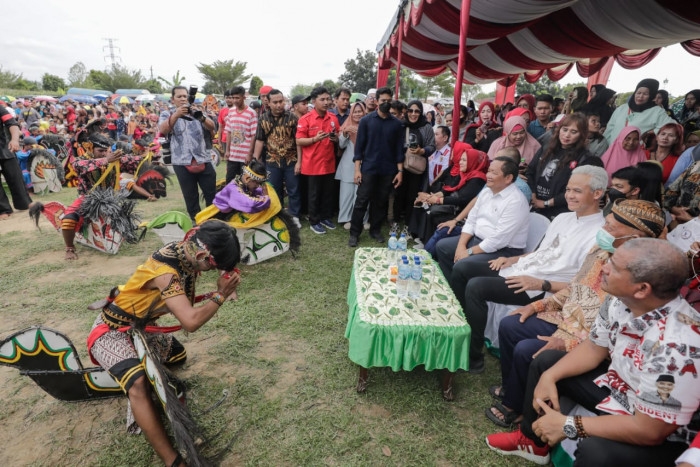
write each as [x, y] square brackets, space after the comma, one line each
[413, 111]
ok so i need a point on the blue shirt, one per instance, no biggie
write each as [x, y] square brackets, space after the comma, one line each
[186, 141]
[535, 129]
[341, 118]
[682, 164]
[379, 144]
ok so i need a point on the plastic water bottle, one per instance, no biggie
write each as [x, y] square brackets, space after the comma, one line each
[416, 278]
[393, 247]
[402, 244]
[404, 278]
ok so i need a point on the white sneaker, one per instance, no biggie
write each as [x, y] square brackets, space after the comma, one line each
[347, 225]
[296, 221]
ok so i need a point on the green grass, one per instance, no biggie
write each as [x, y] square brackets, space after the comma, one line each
[279, 353]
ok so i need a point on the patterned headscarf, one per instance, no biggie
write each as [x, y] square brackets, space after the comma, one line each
[644, 216]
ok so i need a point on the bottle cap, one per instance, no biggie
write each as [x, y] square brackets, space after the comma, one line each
[403, 235]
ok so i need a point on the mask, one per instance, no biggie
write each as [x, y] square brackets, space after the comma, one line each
[614, 194]
[605, 241]
[385, 107]
[462, 120]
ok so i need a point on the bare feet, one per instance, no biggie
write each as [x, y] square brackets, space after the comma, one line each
[4, 217]
[71, 255]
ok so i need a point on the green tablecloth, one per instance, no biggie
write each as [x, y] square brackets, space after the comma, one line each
[401, 333]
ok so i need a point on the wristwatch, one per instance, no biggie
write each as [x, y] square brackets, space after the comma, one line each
[546, 286]
[546, 203]
[569, 428]
[470, 251]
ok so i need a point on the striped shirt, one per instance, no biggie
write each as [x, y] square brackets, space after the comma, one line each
[240, 130]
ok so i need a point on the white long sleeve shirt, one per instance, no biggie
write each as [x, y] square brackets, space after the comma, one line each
[501, 220]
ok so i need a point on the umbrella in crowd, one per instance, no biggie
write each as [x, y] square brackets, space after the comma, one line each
[145, 97]
[45, 99]
[357, 96]
[101, 96]
[78, 98]
[7, 98]
[123, 100]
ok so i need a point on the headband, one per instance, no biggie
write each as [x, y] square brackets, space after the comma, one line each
[644, 216]
[260, 178]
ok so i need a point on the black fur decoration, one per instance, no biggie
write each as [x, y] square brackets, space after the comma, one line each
[115, 208]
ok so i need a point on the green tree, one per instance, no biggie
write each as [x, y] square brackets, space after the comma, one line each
[443, 84]
[177, 80]
[222, 75]
[26, 85]
[77, 74]
[301, 89]
[542, 86]
[52, 82]
[360, 72]
[118, 77]
[9, 78]
[154, 86]
[99, 80]
[255, 84]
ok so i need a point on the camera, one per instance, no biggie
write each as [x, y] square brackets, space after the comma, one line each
[191, 95]
[412, 141]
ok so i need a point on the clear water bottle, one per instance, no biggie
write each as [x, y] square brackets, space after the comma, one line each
[393, 247]
[404, 278]
[402, 244]
[416, 278]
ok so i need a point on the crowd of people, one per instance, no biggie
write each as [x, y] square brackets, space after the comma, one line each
[600, 317]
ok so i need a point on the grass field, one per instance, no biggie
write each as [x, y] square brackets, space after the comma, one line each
[279, 353]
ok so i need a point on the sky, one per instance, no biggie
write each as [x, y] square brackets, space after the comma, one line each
[284, 42]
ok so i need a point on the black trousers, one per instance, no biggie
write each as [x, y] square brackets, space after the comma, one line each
[15, 182]
[233, 169]
[320, 197]
[593, 451]
[206, 180]
[405, 195]
[374, 188]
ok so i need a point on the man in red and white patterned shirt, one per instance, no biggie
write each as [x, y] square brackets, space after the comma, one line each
[241, 125]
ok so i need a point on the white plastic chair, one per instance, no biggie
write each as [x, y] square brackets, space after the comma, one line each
[497, 311]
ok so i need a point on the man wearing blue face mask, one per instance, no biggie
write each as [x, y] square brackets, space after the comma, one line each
[562, 321]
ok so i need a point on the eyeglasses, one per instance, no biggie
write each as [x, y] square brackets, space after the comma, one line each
[413, 111]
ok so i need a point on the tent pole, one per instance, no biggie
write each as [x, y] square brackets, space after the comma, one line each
[398, 64]
[463, 27]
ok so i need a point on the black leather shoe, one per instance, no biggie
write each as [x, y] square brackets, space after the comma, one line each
[378, 237]
[476, 366]
[352, 243]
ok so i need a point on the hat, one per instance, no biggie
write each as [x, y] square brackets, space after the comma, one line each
[666, 378]
[372, 91]
[265, 90]
[559, 118]
[644, 216]
[299, 98]
[28, 141]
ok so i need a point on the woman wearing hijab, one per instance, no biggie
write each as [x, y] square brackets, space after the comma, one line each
[669, 146]
[464, 181]
[689, 116]
[661, 100]
[527, 102]
[482, 134]
[595, 143]
[346, 168]
[624, 151]
[515, 134]
[639, 111]
[549, 172]
[420, 141]
[600, 104]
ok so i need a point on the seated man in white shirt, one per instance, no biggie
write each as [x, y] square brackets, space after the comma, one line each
[496, 227]
[522, 280]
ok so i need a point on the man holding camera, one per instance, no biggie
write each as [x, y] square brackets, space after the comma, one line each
[185, 128]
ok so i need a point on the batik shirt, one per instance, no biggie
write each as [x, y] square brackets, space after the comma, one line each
[279, 135]
[89, 171]
[654, 360]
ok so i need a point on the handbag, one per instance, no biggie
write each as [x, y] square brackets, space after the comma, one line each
[196, 167]
[414, 163]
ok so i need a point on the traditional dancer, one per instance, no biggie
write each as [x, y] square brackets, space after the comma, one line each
[165, 283]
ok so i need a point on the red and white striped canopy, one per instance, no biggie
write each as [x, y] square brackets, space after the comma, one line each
[508, 37]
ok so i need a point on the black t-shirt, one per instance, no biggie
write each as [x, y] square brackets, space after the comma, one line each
[7, 119]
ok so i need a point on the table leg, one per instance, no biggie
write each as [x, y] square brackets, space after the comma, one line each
[362, 380]
[447, 380]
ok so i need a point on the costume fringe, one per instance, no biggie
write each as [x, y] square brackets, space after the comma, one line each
[117, 212]
[294, 236]
[56, 143]
[35, 210]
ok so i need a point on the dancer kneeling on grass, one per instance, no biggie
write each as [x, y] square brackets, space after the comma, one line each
[165, 283]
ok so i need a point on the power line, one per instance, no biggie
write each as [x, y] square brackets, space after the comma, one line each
[114, 58]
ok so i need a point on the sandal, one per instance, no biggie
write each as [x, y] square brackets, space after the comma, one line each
[496, 395]
[509, 416]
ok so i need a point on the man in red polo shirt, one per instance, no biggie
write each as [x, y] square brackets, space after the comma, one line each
[317, 135]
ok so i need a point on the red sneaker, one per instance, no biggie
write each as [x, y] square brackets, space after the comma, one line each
[517, 444]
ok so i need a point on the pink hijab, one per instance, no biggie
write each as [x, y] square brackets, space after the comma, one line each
[527, 149]
[616, 158]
